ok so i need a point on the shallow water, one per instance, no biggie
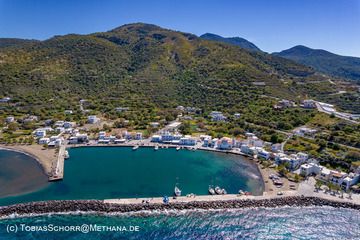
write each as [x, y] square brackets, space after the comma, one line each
[260, 223]
[20, 174]
[120, 172]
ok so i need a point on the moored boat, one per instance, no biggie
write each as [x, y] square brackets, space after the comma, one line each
[177, 148]
[66, 155]
[177, 191]
[135, 148]
[218, 190]
[156, 148]
[211, 191]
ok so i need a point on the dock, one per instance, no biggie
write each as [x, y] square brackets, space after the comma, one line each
[58, 173]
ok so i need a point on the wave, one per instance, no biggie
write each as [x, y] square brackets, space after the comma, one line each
[164, 212]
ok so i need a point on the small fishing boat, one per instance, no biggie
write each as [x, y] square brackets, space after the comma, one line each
[66, 155]
[177, 148]
[177, 191]
[223, 191]
[211, 190]
[156, 148]
[218, 190]
[135, 148]
[241, 192]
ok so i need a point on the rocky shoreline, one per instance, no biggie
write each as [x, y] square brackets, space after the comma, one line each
[63, 206]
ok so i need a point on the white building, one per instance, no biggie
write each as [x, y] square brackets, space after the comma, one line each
[5, 99]
[350, 180]
[276, 147]
[262, 153]
[40, 133]
[121, 109]
[248, 150]
[217, 116]
[225, 143]
[309, 103]
[68, 112]
[44, 141]
[324, 174]
[156, 138]
[187, 140]
[310, 169]
[59, 124]
[206, 140]
[92, 119]
[237, 115]
[305, 131]
[10, 119]
[60, 129]
[138, 136]
[155, 124]
[69, 124]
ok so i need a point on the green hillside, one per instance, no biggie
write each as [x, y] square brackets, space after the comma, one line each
[145, 65]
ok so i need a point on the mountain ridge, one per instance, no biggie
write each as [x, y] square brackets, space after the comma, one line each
[237, 41]
[324, 61]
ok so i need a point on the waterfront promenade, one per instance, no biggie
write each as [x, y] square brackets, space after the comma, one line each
[58, 165]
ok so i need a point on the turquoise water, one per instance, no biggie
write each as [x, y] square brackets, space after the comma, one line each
[278, 223]
[120, 172]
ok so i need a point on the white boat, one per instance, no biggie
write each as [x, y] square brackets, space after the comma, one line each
[135, 148]
[218, 190]
[156, 148]
[66, 155]
[241, 192]
[177, 148]
[177, 191]
[223, 191]
[211, 191]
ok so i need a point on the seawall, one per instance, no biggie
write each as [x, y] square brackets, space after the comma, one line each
[104, 207]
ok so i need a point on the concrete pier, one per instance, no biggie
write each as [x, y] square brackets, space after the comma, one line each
[58, 173]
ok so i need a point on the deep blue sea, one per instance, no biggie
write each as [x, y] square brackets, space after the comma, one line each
[261, 223]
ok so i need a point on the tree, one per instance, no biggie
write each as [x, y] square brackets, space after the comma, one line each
[274, 138]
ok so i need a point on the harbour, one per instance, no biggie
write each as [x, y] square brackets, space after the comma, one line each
[124, 173]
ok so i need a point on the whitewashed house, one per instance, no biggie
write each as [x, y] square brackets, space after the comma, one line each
[59, 124]
[138, 136]
[309, 103]
[310, 169]
[217, 116]
[276, 147]
[155, 124]
[40, 133]
[92, 119]
[324, 174]
[10, 119]
[5, 99]
[68, 112]
[69, 124]
[225, 143]
[156, 138]
[262, 153]
[237, 115]
[43, 141]
[187, 140]
[351, 179]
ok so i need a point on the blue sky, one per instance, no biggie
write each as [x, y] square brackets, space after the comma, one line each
[273, 25]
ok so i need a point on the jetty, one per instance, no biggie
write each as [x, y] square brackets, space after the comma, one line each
[100, 206]
[58, 172]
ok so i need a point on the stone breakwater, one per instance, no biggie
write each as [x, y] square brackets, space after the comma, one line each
[102, 207]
